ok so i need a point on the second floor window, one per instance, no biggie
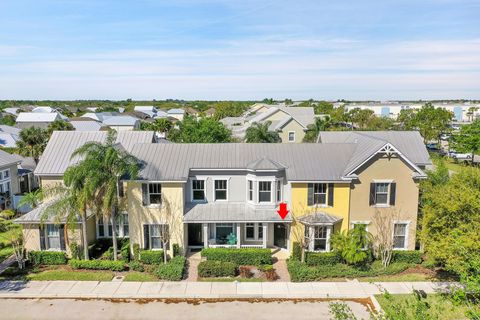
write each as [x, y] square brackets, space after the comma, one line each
[264, 191]
[198, 190]
[279, 190]
[220, 189]
[250, 190]
[320, 194]
[155, 193]
[382, 193]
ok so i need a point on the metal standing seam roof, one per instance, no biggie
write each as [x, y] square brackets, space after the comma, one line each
[86, 125]
[176, 111]
[39, 215]
[120, 121]
[231, 212]
[303, 115]
[302, 162]
[38, 117]
[8, 140]
[56, 157]
[319, 218]
[9, 129]
[7, 159]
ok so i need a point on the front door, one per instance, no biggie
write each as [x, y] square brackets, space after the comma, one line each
[195, 234]
[280, 235]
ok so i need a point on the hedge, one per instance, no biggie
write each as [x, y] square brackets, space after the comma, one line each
[296, 252]
[322, 258]
[213, 268]
[151, 256]
[301, 272]
[47, 257]
[172, 270]
[97, 264]
[244, 256]
[411, 256]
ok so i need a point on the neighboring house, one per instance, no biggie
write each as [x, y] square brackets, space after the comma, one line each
[12, 111]
[99, 116]
[122, 123]
[150, 111]
[9, 136]
[36, 119]
[85, 124]
[227, 195]
[16, 178]
[48, 110]
[176, 113]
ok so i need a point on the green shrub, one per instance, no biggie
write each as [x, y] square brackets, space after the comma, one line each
[75, 251]
[136, 251]
[215, 268]
[97, 264]
[411, 256]
[125, 250]
[176, 249]
[47, 257]
[322, 258]
[172, 270]
[296, 252]
[245, 256]
[136, 266]
[151, 256]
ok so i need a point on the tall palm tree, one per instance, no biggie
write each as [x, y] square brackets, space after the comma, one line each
[32, 142]
[314, 129]
[259, 133]
[108, 163]
[31, 199]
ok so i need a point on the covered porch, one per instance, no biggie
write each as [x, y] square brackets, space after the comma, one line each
[319, 227]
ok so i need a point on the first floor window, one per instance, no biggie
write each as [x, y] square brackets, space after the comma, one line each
[264, 191]
[399, 235]
[223, 231]
[53, 237]
[198, 190]
[220, 189]
[101, 228]
[157, 235]
[381, 193]
[155, 193]
[254, 231]
[126, 229]
[104, 227]
[320, 238]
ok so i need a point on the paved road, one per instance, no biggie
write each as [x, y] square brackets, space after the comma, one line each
[52, 309]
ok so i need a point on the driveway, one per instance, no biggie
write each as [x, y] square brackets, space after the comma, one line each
[52, 309]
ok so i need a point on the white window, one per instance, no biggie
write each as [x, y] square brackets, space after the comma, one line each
[264, 191]
[291, 136]
[381, 193]
[53, 237]
[121, 226]
[223, 232]
[320, 238]
[250, 190]
[6, 174]
[155, 193]
[221, 189]
[400, 235]
[126, 228]
[100, 228]
[279, 190]
[253, 231]
[156, 231]
[320, 193]
[198, 190]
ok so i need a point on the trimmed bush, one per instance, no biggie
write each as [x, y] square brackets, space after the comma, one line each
[47, 257]
[411, 256]
[172, 270]
[296, 252]
[97, 264]
[151, 256]
[215, 268]
[136, 266]
[244, 256]
[136, 251]
[322, 258]
[125, 250]
[176, 249]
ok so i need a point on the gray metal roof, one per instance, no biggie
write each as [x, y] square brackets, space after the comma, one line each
[231, 212]
[9, 129]
[319, 218]
[120, 121]
[56, 157]
[7, 159]
[303, 162]
[40, 215]
[38, 117]
[86, 125]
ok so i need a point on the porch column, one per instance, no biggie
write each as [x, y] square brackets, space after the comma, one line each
[265, 234]
[329, 231]
[205, 235]
[311, 234]
[239, 236]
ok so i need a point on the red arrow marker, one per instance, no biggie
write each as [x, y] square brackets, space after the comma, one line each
[283, 210]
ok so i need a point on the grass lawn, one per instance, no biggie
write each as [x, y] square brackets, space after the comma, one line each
[139, 276]
[5, 253]
[231, 279]
[399, 277]
[71, 275]
[440, 307]
[5, 249]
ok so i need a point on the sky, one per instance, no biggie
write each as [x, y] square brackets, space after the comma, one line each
[240, 49]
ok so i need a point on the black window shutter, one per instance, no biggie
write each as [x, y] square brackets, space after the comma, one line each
[121, 191]
[41, 230]
[330, 194]
[146, 237]
[145, 194]
[310, 194]
[62, 237]
[372, 193]
[393, 191]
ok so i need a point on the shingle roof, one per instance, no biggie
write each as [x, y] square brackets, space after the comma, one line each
[231, 212]
[56, 157]
[7, 159]
[38, 117]
[303, 162]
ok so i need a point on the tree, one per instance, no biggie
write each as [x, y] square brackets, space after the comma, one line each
[288, 102]
[8, 119]
[382, 239]
[351, 244]
[432, 122]
[228, 109]
[158, 125]
[11, 233]
[32, 142]
[320, 124]
[259, 133]
[205, 130]
[323, 107]
[361, 117]
[468, 139]
[268, 101]
[407, 119]
[31, 199]
[171, 226]
[108, 164]
[59, 125]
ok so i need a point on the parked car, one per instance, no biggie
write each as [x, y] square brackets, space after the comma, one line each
[459, 156]
[432, 146]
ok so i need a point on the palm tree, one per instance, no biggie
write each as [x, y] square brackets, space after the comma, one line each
[59, 125]
[32, 142]
[107, 163]
[320, 124]
[259, 133]
[31, 199]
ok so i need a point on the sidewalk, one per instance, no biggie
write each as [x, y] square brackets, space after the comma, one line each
[185, 290]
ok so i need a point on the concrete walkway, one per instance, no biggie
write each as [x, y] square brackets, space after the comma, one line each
[95, 289]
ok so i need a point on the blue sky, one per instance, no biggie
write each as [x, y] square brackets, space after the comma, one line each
[245, 49]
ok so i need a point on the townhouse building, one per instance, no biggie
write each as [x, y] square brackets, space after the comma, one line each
[227, 195]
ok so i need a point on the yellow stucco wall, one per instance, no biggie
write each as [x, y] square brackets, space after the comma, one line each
[299, 207]
[171, 212]
[292, 126]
